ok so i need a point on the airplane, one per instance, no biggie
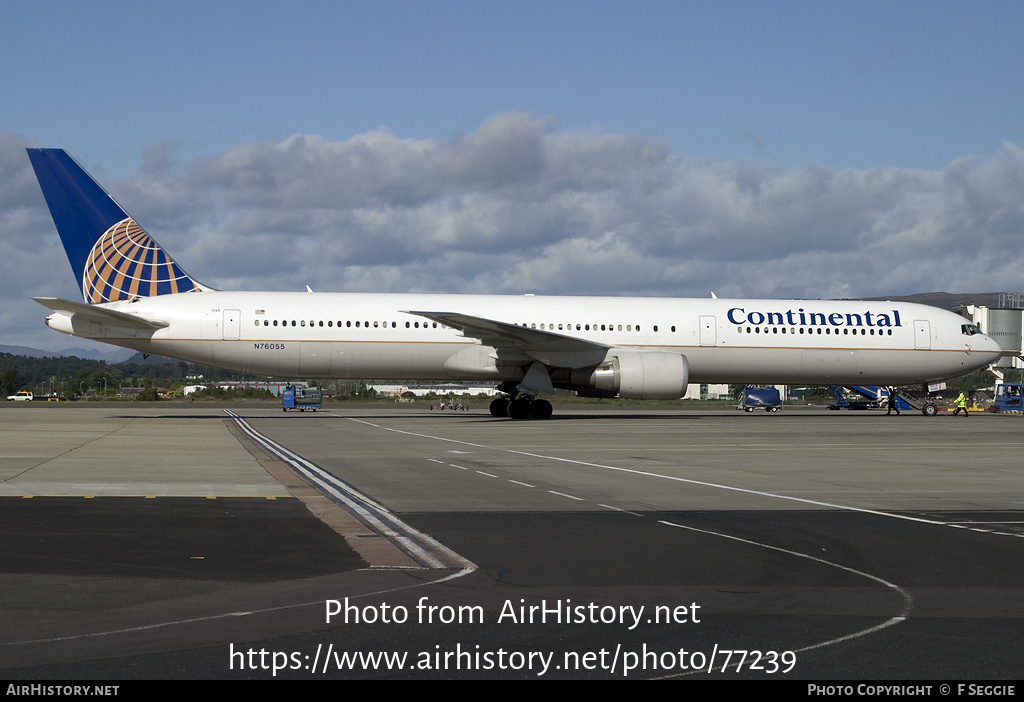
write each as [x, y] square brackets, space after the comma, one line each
[137, 296]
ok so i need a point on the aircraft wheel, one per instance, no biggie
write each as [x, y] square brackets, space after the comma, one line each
[929, 410]
[499, 407]
[748, 409]
[519, 408]
[541, 409]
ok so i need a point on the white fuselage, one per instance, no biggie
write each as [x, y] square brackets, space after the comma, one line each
[361, 335]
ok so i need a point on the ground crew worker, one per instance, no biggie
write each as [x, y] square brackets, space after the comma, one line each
[961, 404]
[891, 403]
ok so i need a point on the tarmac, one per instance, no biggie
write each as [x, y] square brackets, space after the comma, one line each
[181, 540]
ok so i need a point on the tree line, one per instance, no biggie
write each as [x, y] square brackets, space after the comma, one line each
[70, 376]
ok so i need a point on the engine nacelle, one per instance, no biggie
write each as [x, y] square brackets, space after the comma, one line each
[643, 375]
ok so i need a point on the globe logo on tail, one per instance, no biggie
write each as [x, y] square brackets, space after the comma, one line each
[126, 263]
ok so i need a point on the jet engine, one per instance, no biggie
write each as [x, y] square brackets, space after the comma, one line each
[643, 375]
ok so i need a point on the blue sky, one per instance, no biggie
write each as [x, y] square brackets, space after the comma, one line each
[857, 84]
[685, 133]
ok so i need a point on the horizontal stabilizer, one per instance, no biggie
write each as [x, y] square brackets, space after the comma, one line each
[100, 315]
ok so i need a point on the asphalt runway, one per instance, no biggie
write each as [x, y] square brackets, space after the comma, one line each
[190, 541]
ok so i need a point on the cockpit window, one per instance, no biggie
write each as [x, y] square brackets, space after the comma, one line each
[969, 329]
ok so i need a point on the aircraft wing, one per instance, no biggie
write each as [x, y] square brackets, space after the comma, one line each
[549, 347]
[99, 315]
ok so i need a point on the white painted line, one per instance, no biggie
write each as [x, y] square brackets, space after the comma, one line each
[562, 494]
[908, 602]
[371, 513]
[224, 615]
[689, 481]
[619, 509]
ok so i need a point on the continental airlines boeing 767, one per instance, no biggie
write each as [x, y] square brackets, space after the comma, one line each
[137, 296]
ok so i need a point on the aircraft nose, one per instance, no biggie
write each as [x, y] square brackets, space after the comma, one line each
[990, 346]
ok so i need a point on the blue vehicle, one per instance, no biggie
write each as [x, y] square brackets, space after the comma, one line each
[875, 397]
[870, 401]
[1009, 398]
[301, 399]
[753, 398]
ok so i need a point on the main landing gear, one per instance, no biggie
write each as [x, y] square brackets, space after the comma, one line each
[521, 407]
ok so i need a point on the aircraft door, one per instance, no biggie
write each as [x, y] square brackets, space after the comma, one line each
[708, 331]
[232, 324]
[922, 334]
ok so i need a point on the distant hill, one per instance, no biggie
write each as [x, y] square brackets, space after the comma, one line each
[110, 356]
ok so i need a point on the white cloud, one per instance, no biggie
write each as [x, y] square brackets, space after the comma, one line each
[517, 206]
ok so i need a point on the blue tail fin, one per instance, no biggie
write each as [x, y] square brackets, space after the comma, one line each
[113, 256]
